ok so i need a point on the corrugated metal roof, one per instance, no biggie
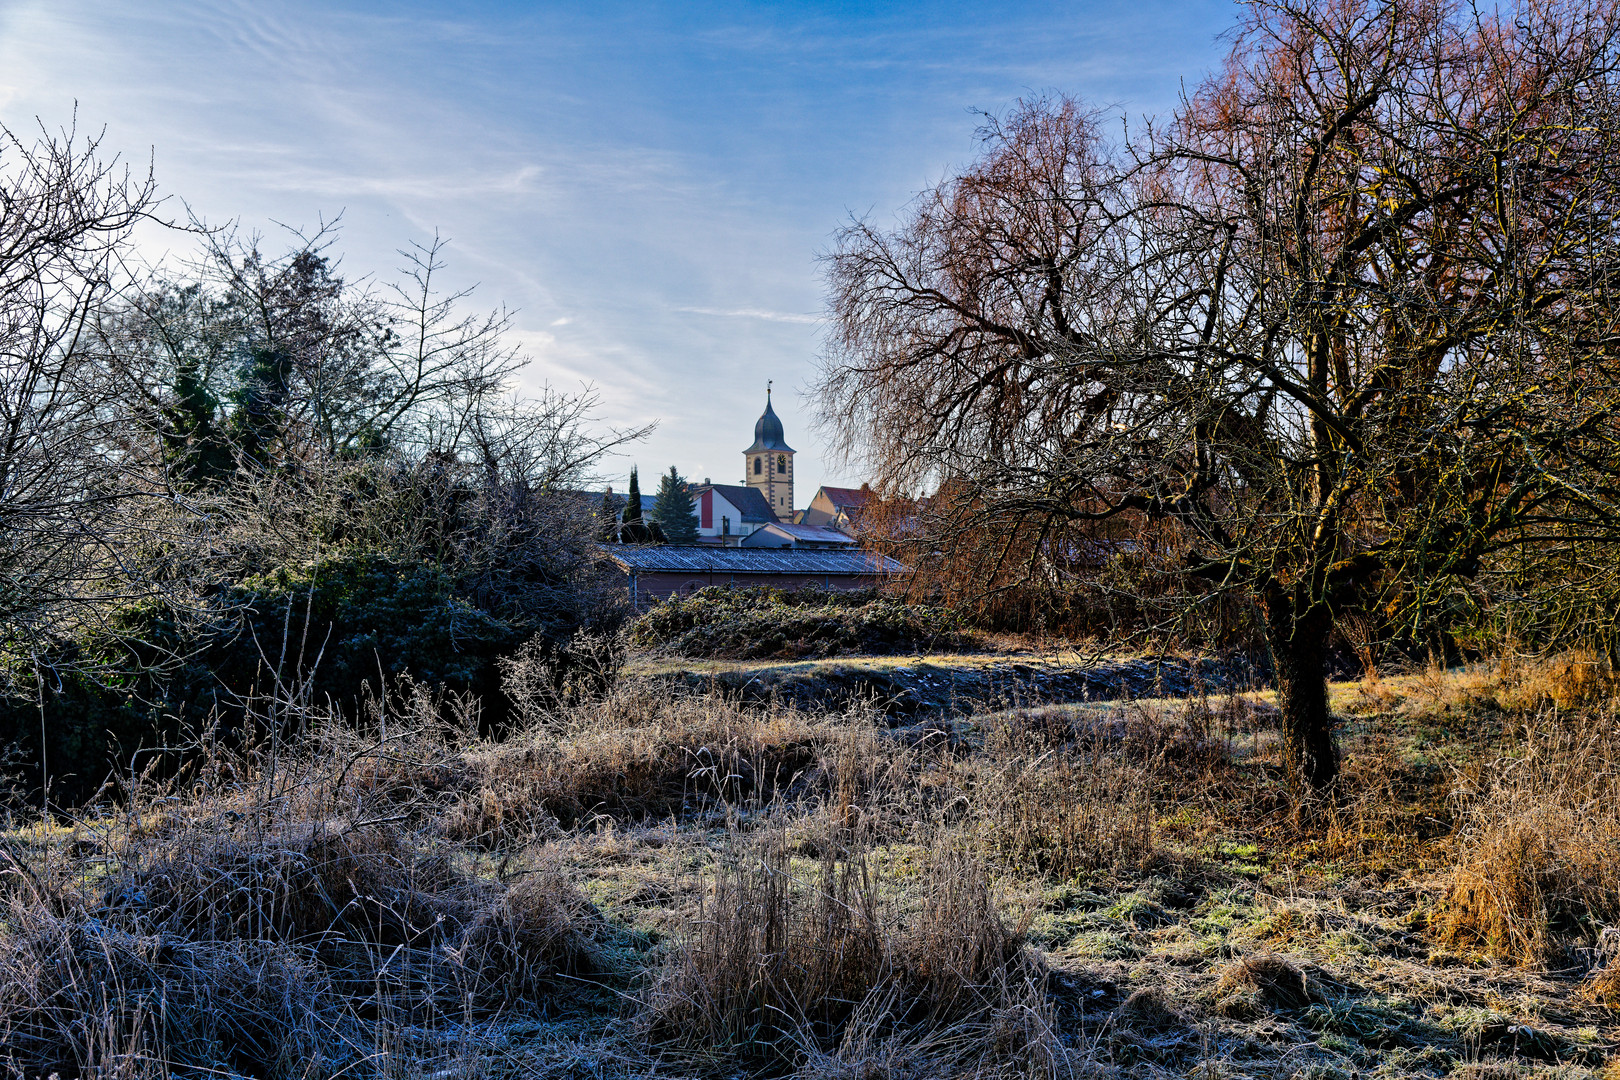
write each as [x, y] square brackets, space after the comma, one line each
[670, 557]
[813, 534]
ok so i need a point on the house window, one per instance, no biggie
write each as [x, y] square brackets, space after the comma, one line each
[756, 467]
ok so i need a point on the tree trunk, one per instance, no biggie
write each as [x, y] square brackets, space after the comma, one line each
[1299, 646]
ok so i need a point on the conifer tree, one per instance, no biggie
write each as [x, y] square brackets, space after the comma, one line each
[632, 509]
[635, 530]
[607, 519]
[672, 511]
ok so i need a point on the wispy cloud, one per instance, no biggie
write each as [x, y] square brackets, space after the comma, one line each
[752, 313]
[643, 185]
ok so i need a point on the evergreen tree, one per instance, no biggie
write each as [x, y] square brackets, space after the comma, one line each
[193, 442]
[632, 508]
[634, 529]
[607, 520]
[256, 425]
[672, 511]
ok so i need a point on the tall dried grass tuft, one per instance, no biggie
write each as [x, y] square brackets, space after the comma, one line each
[641, 753]
[1577, 679]
[801, 962]
[1569, 680]
[645, 753]
[1537, 871]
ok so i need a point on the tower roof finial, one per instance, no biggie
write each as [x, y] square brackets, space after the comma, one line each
[768, 431]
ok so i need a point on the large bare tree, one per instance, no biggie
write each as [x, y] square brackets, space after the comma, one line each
[1343, 321]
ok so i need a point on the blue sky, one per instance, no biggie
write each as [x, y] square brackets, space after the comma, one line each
[646, 185]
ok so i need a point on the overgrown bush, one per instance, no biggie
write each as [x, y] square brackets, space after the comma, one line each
[762, 622]
[314, 634]
[326, 633]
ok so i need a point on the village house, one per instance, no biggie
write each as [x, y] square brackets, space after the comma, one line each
[729, 513]
[782, 534]
[838, 508]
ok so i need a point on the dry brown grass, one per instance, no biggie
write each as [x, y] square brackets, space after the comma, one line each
[1537, 869]
[1570, 680]
[1063, 794]
[826, 961]
[1603, 982]
[1577, 679]
[262, 926]
[1264, 980]
[785, 893]
[642, 753]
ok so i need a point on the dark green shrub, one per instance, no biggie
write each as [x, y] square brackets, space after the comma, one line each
[149, 680]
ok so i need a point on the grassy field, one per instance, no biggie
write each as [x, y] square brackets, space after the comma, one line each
[673, 882]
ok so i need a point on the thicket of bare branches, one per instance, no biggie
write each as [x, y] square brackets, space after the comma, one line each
[1343, 322]
[65, 490]
[181, 446]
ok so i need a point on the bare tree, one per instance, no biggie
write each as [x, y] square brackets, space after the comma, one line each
[1343, 321]
[65, 218]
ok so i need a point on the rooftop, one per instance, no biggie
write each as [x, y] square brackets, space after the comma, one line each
[847, 497]
[671, 557]
[748, 500]
[814, 534]
[768, 431]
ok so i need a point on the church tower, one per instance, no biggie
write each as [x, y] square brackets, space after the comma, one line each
[769, 463]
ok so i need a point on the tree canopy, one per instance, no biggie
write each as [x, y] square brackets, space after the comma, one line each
[1339, 331]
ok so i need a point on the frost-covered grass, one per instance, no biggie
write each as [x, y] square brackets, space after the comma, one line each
[662, 882]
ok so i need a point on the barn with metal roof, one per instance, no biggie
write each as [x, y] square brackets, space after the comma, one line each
[653, 573]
